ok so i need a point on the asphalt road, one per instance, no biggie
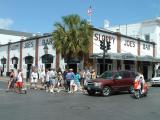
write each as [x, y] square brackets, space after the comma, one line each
[39, 105]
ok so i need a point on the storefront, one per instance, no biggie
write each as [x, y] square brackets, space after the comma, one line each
[126, 53]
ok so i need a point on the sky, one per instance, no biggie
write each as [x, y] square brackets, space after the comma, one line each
[39, 16]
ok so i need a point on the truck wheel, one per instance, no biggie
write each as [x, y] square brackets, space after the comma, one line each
[106, 91]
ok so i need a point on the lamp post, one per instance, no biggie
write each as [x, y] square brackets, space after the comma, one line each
[45, 49]
[45, 52]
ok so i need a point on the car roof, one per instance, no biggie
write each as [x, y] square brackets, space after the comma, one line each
[120, 71]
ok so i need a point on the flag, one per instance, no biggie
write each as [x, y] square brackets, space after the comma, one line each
[89, 11]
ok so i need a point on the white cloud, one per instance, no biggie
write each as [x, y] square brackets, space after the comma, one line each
[5, 23]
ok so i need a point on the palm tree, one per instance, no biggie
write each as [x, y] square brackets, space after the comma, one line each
[72, 37]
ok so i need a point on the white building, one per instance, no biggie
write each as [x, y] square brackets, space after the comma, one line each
[148, 30]
[126, 53]
[12, 36]
[30, 52]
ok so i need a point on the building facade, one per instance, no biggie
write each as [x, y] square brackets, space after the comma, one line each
[148, 30]
[12, 36]
[29, 53]
[126, 53]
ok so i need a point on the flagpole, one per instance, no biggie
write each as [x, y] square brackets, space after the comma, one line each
[91, 19]
[90, 14]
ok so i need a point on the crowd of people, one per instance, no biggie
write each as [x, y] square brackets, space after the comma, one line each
[52, 80]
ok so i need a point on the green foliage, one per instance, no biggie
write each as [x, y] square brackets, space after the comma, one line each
[72, 36]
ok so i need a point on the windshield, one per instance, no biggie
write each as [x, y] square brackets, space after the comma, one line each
[106, 75]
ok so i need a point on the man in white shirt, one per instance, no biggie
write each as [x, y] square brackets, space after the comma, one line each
[34, 79]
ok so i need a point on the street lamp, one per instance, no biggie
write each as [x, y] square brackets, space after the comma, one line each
[45, 59]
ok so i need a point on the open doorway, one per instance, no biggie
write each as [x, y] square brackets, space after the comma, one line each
[73, 66]
[29, 70]
[48, 66]
[145, 72]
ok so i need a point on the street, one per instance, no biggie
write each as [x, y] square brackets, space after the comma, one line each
[39, 105]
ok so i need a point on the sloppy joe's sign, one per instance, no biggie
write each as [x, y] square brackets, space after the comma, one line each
[146, 49]
[102, 36]
[129, 46]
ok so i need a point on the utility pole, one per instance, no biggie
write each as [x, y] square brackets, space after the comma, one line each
[104, 50]
[104, 45]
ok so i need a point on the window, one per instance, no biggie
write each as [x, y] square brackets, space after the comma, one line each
[126, 75]
[107, 75]
[147, 37]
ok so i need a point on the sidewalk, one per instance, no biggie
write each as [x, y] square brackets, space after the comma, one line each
[6, 79]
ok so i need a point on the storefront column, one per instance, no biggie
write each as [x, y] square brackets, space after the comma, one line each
[57, 59]
[136, 66]
[150, 71]
[36, 52]
[122, 65]
[114, 64]
[8, 60]
[20, 57]
[95, 64]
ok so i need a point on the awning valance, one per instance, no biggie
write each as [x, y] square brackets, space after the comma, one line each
[125, 56]
[145, 58]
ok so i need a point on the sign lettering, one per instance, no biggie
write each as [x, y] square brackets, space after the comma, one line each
[104, 37]
[47, 41]
[28, 44]
[146, 46]
[129, 43]
[14, 47]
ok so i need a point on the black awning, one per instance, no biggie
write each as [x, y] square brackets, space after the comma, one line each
[3, 60]
[47, 58]
[29, 60]
[145, 58]
[14, 60]
[129, 56]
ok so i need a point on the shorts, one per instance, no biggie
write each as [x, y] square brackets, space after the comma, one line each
[19, 84]
[33, 80]
[72, 82]
[47, 83]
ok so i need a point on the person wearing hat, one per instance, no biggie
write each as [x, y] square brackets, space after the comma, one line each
[70, 80]
[93, 74]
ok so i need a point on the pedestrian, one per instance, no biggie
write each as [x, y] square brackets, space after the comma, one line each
[93, 74]
[65, 80]
[87, 76]
[77, 81]
[70, 76]
[47, 84]
[34, 79]
[82, 74]
[42, 77]
[60, 81]
[19, 82]
[12, 81]
[52, 80]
